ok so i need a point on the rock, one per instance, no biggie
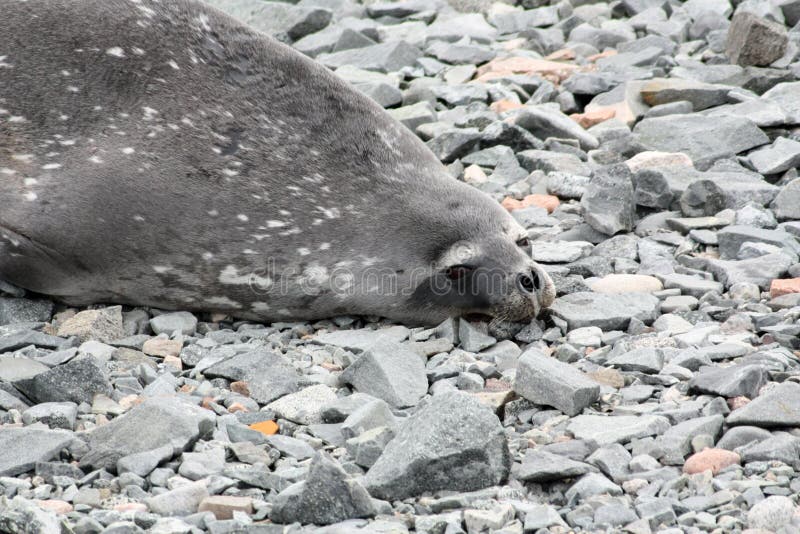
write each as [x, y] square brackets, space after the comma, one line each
[731, 238]
[733, 381]
[676, 442]
[21, 310]
[590, 485]
[384, 57]
[545, 380]
[614, 284]
[542, 516]
[703, 198]
[782, 155]
[644, 360]
[691, 285]
[267, 374]
[753, 40]
[701, 95]
[181, 501]
[391, 372]
[20, 369]
[542, 466]
[786, 205]
[560, 251]
[52, 414]
[23, 516]
[607, 205]
[162, 347]
[283, 21]
[760, 271]
[489, 520]
[452, 443]
[24, 447]
[291, 447]
[544, 122]
[101, 325]
[780, 406]
[453, 143]
[367, 447]
[608, 312]
[78, 381]
[305, 406]
[413, 115]
[714, 460]
[154, 423]
[772, 513]
[785, 95]
[784, 287]
[143, 463]
[471, 339]
[223, 506]
[182, 322]
[704, 139]
[617, 429]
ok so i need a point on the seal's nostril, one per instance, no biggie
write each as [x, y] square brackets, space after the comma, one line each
[537, 281]
[526, 283]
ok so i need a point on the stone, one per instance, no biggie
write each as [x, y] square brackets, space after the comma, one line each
[490, 520]
[143, 463]
[154, 423]
[607, 205]
[24, 447]
[374, 414]
[616, 429]
[702, 198]
[590, 485]
[267, 373]
[785, 95]
[413, 115]
[542, 516]
[784, 287]
[753, 40]
[542, 466]
[701, 95]
[19, 369]
[714, 460]
[786, 205]
[704, 139]
[731, 238]
[22, 310]
[780, 406]
[283, 21]
[780, 156]
[367, 447]
[676, 442]
[649, 159]
[24, 516]
[691, 285]
[101, 325]
[614, 284]
[728, 382]
[223, 506]
[162, 347]
[184, 323]
[545, 380]
[544, 122]
[772, 513]
[608, 312]
[560, 251]
[760, 271]
[389, 371]
[305, 406]
[362, 339]
[53, 414]
[181, 501]
[328, 495]
[78, 381]
[644, 360]
[471, 339]
[453, 443]
[454, 143]
[383, 57]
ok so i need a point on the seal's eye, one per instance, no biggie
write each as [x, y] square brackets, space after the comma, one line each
[457, 272]
[524, 242]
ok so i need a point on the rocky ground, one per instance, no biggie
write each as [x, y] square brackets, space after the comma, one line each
[650, 147]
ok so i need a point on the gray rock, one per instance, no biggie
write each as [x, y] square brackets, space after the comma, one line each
[608, 312]
[691, 285]
[454, 143]
[283, 21]
[21, 310]
[78, 380]
[53, 414]
[730, 381]
[703, 198]
[676, 442]
[645, 360]
[760, 271]
[24, 516]
[182, 322]
[154, 423]
[785, 95]
[780, 447]
[732, 237]
[291, 447]
[305, 406]
[181, 501]
[363, 338]
[780, 156]
[787, 203]
[559, 251]
[612, 459]
[780, 406]
[384, 57]
[545, 380]
[471, 339]
[328, 495]
[268, 375]
[740, 436]
[590, 485]
[616, 429]
[542, 516]
[704, 139]
[367, 447]
[389, 371]
[607, 205]
[453, 443]
[18, 369]
[772, 514]
[753, 40]
[414, 115]
[546, 121]
[24, 447]
[543, 466]
[143, 463]
[374, 414]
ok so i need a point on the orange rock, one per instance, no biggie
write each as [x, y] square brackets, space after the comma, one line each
[784, 287]
[601, 55]
[174, 362]
[608, 377]
[590, 118]
[237, 407]
[206, 402]
[498, 68]
[56, 506]
[162, 347]
[330, 366]
[714, 460]
[511, 204]
[737, 402]
[223, 506]
[504, 105]
[266, 427]
[548, 202]
[241, 388]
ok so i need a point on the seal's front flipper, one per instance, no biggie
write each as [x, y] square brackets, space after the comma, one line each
[37, 267]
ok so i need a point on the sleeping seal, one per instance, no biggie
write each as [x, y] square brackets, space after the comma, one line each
[163, 154]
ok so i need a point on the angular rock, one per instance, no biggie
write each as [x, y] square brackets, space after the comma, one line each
[778, 407]
[53, 414]
[184, 323]
[305, 406]
[21, 310]
[731, 238]
[786, 205]
[283, 21]
[607, 205]
[645, 360]
[102, 325]
[702, 95]
[545, 380]
[267, 374]
[782, 155]
[384, 57]
[181, 501]
[544, 122]
[608, 312]
[24, 516]
[413, 115]
[753, 40]
[389, 371]
[728, 382]
[616, 429]
[78, 381]
[24, 447]
[328, 495]
[453, 443]
[543, 466]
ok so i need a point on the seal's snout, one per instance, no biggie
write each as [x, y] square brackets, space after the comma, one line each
[538, 285]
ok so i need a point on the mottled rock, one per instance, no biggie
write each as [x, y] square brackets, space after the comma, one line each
[102, 325]
[753, 40]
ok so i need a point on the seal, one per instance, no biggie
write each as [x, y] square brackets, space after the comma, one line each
[163, 154]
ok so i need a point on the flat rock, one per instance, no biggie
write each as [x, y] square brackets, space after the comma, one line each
[181, 501]
[453, 443]
[616, 429]
[545, 121]
[305, 406]
[782, 155]
[24, 447]
[543, 466]
[184, 323]
[384, 57]
[608, 312]
[268, 375]
[78, 381]
[608, 204]
[363, 338]
[102, 325]
[732, 381]
[22, 310]
[778, 407]
[614, 284]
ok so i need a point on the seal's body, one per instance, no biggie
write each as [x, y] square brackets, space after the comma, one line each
[162, 154]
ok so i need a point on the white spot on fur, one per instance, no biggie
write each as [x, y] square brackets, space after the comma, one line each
[303, 251]
[17, 118]
[30, 182]
[25, 158]
[207, 256]
[229, 172]
[67, 142]
[72, 89]
[275, 224]
[325, 246]
[30, 196]
[116, 51]
[95, 159]
[138, 218]
[173, 64]
[230, 276]
[137, 51]
[7, 171]
[223, 301]
[161, 269]
[213, 213]
[260, 307]
[242, 217]
[51, 166]
[128, 150]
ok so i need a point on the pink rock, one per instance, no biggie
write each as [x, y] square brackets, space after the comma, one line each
[710, 459]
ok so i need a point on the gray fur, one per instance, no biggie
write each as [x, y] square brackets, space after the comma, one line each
[163, 154]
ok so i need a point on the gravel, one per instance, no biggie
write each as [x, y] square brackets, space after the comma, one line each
[651, 152]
